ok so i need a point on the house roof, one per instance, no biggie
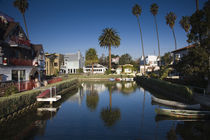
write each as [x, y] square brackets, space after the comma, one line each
[185, 48]
[72, 57]
[37, 48]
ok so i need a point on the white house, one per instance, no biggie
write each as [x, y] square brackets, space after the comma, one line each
[72, 63]
[151, 63]
[97, 69]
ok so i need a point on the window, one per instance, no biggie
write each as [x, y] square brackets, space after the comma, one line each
[14, 75]
[56, 64]
[18, 73]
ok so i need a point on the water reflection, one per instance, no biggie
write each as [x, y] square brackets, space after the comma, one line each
[104, 112]
[92, 98]
[110, 115]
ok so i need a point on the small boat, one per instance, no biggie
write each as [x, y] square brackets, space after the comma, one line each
[111, 79]
[175, 104]
[182, 113]
[118, 79]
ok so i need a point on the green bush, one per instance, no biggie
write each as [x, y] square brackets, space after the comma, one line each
[15, 102]
[108, 72]
[166, 87]
[11, 90]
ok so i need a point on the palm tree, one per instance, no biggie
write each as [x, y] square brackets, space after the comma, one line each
[154, 10]
[110, 115]
[22, 6]
[197, 5]
[185, 23]
[91, 57]
[109, 38]
[137, 12]
[170, 20]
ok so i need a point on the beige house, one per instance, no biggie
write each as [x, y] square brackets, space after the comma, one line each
[53, 63]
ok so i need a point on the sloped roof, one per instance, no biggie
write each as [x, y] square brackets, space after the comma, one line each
[72, 57]
[184, 48]
[38, 48]
[10, 27]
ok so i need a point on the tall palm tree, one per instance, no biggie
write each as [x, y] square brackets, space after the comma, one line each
[137, 12]
[197, 5]
[91, 57]
[170, 20]
[109, 38]
[185, 23]
[22, 6]
[154, 10]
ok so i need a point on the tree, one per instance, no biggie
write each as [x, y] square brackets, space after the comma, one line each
[125, 59]
[185, 24]
[109, 38]
[137, 12]
[91, 57]
[197, 5]
[22, 6]
[196, 64]
[170, 20]
[154, 10]
[166, 59]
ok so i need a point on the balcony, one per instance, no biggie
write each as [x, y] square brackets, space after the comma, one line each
[19, 62]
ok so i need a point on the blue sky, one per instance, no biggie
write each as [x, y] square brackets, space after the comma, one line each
[66, 26]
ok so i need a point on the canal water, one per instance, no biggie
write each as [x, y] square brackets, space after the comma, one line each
[103, 111]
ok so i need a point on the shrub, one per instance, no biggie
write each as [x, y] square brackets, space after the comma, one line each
[165, 87]
[11, 90]
[108, 72]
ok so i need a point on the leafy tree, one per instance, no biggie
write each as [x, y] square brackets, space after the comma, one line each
[91, 57]
[195, 66]
[170, 20]
[109, 38]
[22, 6]
[166, 59]
[137, 12]
[125, 59]
[154, 10]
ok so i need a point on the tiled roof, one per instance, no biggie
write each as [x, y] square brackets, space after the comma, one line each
[185, 48]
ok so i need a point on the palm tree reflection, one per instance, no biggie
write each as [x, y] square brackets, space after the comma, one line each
[110, 115]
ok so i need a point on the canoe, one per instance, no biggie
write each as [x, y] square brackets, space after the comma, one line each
[175, 104]
[182, 113]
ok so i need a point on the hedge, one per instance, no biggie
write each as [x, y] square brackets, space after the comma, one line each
[13, 103]
[165, 87]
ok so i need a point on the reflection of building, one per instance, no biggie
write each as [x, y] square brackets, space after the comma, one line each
[53, 63]
[97, 68]
[77, 97]
[96, 87]
[72, 63]
[151, 63]
[16, 52]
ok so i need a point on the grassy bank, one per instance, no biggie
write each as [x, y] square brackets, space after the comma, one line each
[95, 76]
[13, 103]
[166, 88]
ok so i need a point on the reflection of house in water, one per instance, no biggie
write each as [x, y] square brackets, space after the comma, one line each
[77, 97]
[96, 87]
[119, 86]
[128, 85]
